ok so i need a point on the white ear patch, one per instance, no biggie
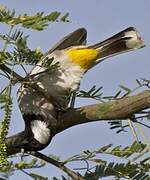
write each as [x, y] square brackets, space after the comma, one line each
[40, 130]
[135, 41]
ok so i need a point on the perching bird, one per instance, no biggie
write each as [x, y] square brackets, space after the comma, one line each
[40, 104]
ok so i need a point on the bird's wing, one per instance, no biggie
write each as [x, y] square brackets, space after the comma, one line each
[77, 37]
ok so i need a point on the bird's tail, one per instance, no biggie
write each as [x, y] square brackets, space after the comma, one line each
[126, 40]
[14, 143]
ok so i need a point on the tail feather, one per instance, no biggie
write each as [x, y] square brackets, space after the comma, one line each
[15, 142]
[124, 41]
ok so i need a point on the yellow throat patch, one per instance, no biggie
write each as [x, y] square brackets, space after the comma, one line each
[85, 58]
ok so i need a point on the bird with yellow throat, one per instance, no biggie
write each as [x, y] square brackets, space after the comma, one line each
[40, 106]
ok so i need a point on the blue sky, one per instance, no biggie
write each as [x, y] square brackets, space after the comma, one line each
[101, 18]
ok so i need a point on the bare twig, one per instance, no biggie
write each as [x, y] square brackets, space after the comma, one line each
[60, 165]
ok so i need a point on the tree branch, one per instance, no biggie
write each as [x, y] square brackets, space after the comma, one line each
[115, 110]
[10, 72]
[60, 165]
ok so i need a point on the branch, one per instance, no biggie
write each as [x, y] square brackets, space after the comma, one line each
[16, 76]
[60, 165]
[114, 110]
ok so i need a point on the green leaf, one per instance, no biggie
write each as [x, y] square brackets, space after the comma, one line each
[125, 88]
[38, 22]
[117, 94]
[118, 170]
[93, 92]
[104, 148]
[139, 83]
[53, 16]
[37, 177]
[64, 18]
[117, 125]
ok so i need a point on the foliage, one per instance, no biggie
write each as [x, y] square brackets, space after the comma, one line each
[6, 106]
[21, 53]
[39, 21]
[93, 93]
[119, 170]
[132, 163]
[97, 93]
[135, 162]
[25, 164]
